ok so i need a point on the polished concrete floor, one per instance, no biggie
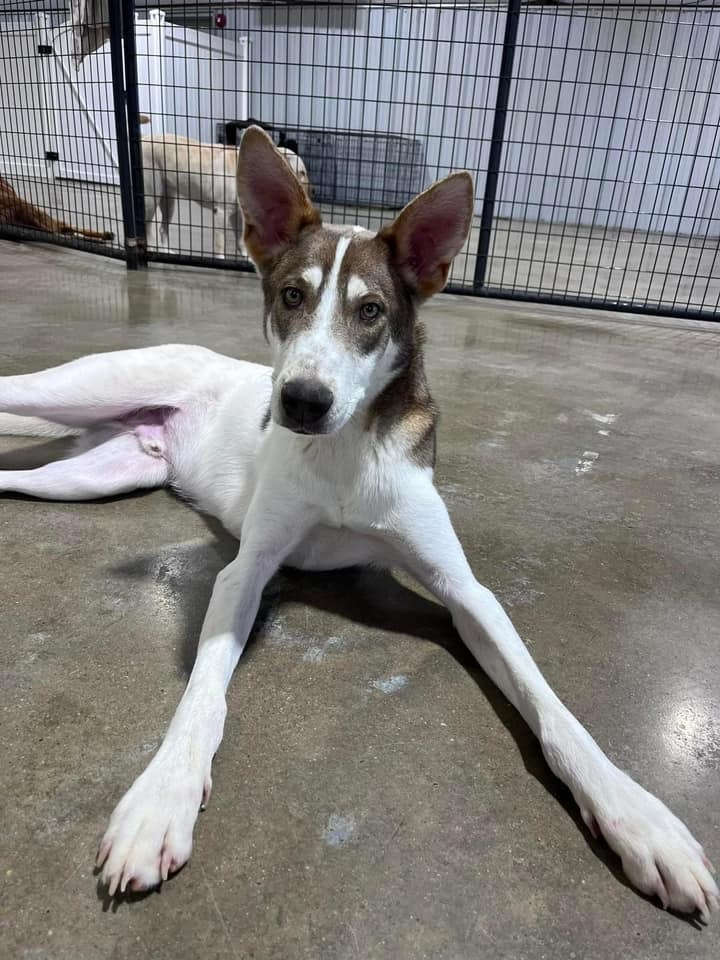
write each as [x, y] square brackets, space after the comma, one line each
[374, 797]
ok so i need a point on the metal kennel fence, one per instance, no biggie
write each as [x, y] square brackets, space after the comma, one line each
[592, 130]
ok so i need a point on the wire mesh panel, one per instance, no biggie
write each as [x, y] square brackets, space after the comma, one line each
[377, 100]
[608, 185]
[58, 159]
[592, 131]
[606, 171]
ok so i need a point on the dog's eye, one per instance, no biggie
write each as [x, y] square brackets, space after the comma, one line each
[369, 312]
[292, 297]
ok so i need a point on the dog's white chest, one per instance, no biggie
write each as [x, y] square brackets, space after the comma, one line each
[347, 479]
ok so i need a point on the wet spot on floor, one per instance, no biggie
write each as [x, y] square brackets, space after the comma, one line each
[606, 418]
[586, 462]
[340, 829]
[317, 653]
[390, 684]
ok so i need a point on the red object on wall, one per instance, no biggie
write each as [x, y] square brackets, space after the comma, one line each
[220, 21]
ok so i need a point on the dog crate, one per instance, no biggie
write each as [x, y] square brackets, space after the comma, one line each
[592, 131]
[352, 169]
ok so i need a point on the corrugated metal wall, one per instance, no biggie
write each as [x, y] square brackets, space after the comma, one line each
[614, 114]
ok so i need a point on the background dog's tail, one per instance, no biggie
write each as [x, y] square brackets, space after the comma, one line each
[14, 426]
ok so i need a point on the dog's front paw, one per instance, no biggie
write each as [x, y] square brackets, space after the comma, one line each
[150, 831]
[659, 854]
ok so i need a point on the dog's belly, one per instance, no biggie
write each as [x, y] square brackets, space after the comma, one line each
[212, 443]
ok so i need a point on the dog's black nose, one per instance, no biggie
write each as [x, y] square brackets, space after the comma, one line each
[305, 401]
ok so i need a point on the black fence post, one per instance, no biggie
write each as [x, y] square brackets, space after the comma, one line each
[133, 125]
[121, 133]
[497, 141]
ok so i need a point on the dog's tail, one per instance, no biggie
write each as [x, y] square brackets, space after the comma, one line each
[14, 426]
[22, 213]
[32, 216]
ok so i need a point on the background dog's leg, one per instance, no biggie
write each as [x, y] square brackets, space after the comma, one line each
[151, 213]
[659, 854]
[235, 222]
[166, 206]
[150, 831]
[220, 226]
[119, 465]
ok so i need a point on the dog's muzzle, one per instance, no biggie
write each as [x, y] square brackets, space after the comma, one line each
[304, 404]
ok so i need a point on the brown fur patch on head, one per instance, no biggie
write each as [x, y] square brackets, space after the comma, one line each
[365, 262]
[368, 261]
[315, 247]
[405, 412]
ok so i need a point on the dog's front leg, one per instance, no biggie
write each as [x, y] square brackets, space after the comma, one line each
[150, 831]
[659, 854]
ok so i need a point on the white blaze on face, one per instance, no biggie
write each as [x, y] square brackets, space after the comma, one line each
[356, 288]
[322, 353]
[314, 277]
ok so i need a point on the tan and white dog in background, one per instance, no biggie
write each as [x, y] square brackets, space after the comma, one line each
[323, 461]
[179, 168]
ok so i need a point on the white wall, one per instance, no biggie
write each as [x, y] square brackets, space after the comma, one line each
[423, 72]
[623, 137]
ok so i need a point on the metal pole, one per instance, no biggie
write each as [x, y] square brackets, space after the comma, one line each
[512, 20]
[133, 126]
[121, 133]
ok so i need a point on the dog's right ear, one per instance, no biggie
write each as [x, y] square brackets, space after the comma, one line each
[274, 206]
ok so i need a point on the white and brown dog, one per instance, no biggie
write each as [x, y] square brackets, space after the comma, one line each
[323, 461]
[179, 168]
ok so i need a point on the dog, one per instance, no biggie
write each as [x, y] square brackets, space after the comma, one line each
[16, 212]
[177, 167]
[321, 462]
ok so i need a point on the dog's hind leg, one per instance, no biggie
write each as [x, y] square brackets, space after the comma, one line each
[105, 386]
[166, 206]
[151, 213]
[235, 222]
[118, 465]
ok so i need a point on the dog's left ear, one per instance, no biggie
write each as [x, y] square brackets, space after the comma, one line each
[274, 206]
[430, 231]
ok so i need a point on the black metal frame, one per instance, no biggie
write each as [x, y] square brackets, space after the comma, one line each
[496, 144]
[514, 43]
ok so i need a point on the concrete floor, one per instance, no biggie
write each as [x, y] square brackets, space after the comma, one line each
[353, 818]
[617, 265]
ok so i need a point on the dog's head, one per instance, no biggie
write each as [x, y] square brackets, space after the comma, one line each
[340, 302]
[297, 167]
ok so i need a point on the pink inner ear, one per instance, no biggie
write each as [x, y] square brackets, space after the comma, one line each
[431, 243]
[270, 196]
[270, 210]
[273, 223]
